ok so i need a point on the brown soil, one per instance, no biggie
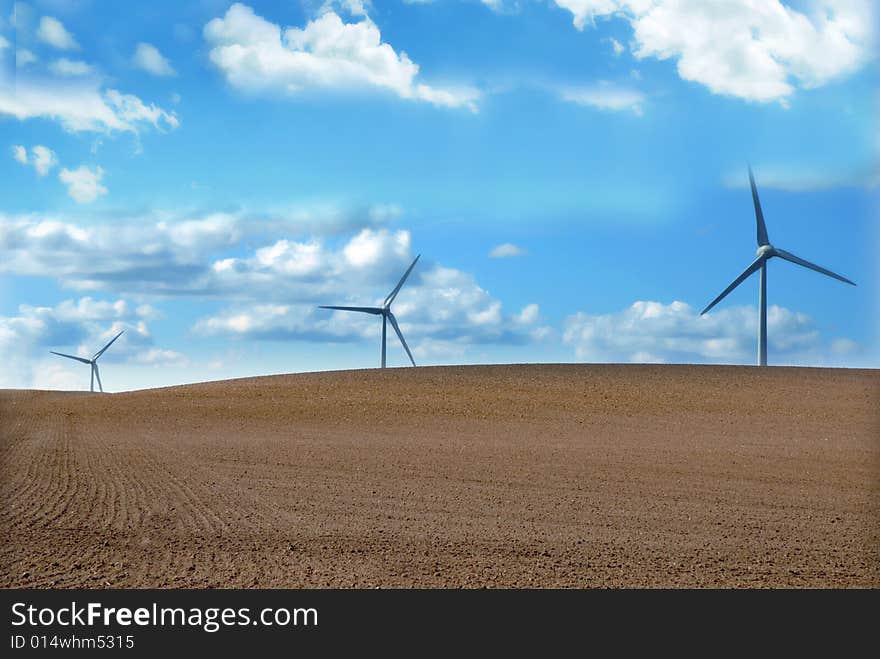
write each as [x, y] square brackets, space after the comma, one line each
[502, 476]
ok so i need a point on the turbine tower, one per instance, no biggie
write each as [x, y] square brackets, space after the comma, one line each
[93, 362]
[766, 251]
[385, 312]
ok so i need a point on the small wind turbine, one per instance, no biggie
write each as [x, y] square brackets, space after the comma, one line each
[93, 362]
[385, 312]
[766, 251]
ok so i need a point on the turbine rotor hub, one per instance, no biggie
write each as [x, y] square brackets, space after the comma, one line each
[766, 251]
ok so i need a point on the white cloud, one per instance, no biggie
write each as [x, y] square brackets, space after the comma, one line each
[160, 357]
[147, 57]
[54, 376]
[256, 56]
[657, 332]
[449, 307]
[441, 307]
[381, 213]
[617, 46]
[82, 107]
[78, 327]
[369, 248]
[24, 57]
[278, 321]
[164, 252]
[42, 158]
[89, 309]
[310, 269]
[53, 32]
[606, 96]
[132, 110]
[273, 287]
[505, 250]
[753, 50]
[70, 68]
[528, 315]
[83, 184]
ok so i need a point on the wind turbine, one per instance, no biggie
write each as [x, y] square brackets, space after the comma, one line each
[93, 362]
[385, 312]
[766, 251]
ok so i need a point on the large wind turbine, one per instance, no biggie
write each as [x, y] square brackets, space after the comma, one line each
[766, 251]
[385, 312]
[93, 362]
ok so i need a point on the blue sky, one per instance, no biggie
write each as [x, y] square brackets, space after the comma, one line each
[573, 173]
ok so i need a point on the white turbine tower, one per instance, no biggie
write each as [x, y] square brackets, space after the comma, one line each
[93, 362]
[766, 251]
[385, 312]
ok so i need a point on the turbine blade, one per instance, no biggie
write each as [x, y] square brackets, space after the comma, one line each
[79, 359]
[376, 311]
[98, 375]
[756, 264]
[400, 336]
[788, 256]
[393, 294]
[759, 215]
[101, 351]
[92, 384]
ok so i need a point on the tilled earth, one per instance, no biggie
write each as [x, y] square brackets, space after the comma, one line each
[499, 476]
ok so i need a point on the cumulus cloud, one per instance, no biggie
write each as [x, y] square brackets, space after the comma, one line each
[283, 322]
[148, 58]
[173, 254]
[78, 327]
[272, 283]
[160, 357]
[83, 184]
[760, 51]
[443, 306]
[656, 332]
[449, 306]
[606, 96]
[42, 158]
[528, 315]
[82, 107]
[505, 250]
[51, 31]
[369, 248]
[70, 68]
[24, 57]
[308, 269]
[256, 55]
